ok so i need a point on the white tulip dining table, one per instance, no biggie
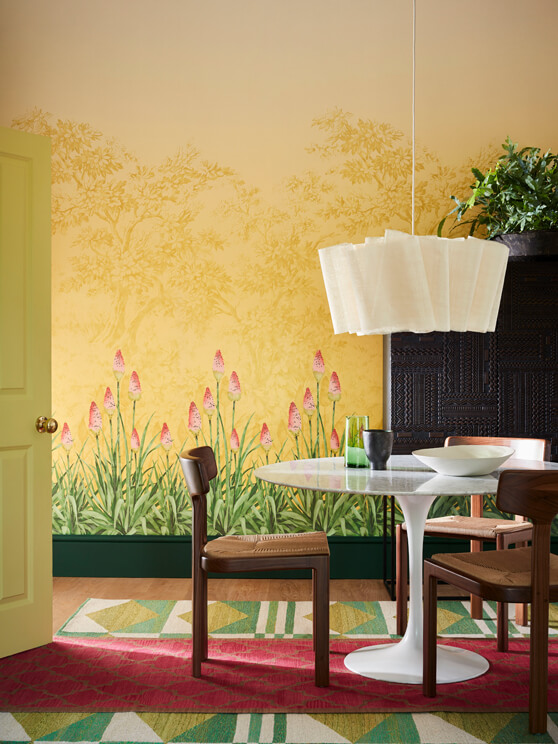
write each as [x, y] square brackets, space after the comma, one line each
[415, 487]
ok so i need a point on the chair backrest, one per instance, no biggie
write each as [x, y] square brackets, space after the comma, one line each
[534, 494]
[525, 449]
[529, 493]
[199, 467]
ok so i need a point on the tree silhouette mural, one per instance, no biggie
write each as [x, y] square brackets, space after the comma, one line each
[172, 258]
[130, 218]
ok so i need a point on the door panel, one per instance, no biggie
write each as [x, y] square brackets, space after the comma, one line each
[25, 393]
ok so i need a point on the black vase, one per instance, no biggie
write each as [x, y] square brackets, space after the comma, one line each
[378, 444]
[531, 244]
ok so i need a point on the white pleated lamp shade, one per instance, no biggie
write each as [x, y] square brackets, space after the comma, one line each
[414, 283]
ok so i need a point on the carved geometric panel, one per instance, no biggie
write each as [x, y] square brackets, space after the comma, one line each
[503, 383]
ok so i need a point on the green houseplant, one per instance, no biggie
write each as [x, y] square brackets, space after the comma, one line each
[515, 202]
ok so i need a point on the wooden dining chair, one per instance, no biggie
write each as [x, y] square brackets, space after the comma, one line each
[525, 575]
[232, 553]
[476, 528]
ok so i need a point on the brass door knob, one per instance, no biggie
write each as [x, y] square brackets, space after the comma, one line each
[45, 425]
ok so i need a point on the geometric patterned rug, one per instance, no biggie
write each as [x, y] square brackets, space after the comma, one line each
[124, 618]
[228, 728]
[241, 728]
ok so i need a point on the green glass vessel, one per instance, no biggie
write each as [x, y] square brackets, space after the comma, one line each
[355, 456]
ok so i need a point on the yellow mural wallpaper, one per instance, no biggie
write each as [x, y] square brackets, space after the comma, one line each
[202, 154]
[150, 268]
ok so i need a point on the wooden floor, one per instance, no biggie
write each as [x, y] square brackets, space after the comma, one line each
[69, 593]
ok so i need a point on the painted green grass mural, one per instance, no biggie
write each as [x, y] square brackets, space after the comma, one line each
[125, 481]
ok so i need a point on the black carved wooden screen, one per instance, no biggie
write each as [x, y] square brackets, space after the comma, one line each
[503, 383]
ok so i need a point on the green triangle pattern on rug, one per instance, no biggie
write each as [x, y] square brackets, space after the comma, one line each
[171, 726]
[497, 728]
[172, 619]
[371, 727]
[228, 728]
[234, 618]
[216, 728]
[88, 725]
[134, 616]
[393, 728]
[454, 618]
[358, 618]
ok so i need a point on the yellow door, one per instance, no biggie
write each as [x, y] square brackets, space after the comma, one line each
[25, 393]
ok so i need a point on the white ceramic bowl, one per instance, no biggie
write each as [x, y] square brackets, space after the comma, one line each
[464, 459]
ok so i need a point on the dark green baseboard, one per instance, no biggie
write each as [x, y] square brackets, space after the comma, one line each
[170, 557]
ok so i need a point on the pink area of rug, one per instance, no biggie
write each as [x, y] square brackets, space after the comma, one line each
[252, 675]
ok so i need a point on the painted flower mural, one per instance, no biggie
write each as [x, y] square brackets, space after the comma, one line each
[95, 419]
[265, 439]
[308, 404]
[66, 438]
[295, 421]
[208, 403]
[127, 480]
[134, 389]
[234, 388]
[334, 441]
[194, 421]
[318, 366]
[218, 365]
[118, 366]
[166, 439]
[108, 402]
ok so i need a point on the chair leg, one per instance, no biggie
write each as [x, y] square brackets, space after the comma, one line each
[503, 542]
[199, 618]
[314, 619]
[502, 626]
[401, 579]
[320, 611]
[205, 633]
[501, 610]
[430, 627]
[476, 602]
[538, 687]
[522, 610]
[538, 660]
[522, 614]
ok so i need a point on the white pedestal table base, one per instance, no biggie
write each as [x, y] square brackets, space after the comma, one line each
[395, 662]
[402, 661]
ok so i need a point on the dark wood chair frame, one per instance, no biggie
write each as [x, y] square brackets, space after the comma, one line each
[199, 467]
[534, 495]
[538, 448]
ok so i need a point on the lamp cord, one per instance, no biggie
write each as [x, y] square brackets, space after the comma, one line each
[413, 145]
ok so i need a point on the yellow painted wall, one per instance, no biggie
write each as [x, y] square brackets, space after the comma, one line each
[204, 151]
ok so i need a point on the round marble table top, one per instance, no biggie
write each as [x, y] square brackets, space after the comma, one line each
[404, 475]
